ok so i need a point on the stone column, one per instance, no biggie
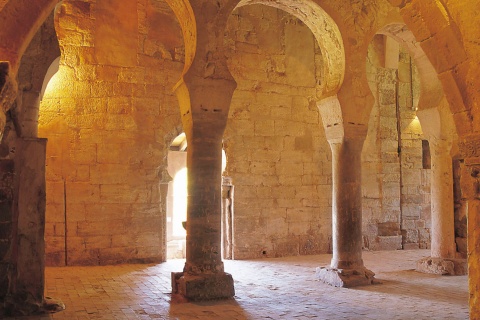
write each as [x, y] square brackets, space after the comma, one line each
[346, 268]
[470, 187]
[204, 94]
[204, 118]
[443, 249]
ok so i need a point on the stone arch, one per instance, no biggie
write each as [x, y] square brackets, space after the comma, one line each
[15, 36]
[439, 128]
[440, 37]
[186, 17]
[17, 33]
[431, 91]
[326, 33]
[38, 65]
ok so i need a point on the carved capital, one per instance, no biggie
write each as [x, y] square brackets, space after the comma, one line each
[8, 93]
[469, 148]
[8, 85]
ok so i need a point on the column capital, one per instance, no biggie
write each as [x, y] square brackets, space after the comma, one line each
[469, 147]
[8, 92]
[336, 128]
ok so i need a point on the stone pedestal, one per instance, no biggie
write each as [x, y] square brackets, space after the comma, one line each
[346, 278]
[452, 267]
[203, 286]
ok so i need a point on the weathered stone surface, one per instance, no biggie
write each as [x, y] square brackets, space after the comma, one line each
[452, 267]
[203, 287]
[346, 278]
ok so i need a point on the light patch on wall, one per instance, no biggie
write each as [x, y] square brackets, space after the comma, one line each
[60, 85]
[415, 127]
[53, 85]
[179, 202]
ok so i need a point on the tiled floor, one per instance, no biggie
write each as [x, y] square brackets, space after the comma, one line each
[283, 288]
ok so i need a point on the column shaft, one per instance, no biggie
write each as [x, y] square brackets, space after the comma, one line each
[347, 204]
[204, 164]
[346, 268]
[443, 232]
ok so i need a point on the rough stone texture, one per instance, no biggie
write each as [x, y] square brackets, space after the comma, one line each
[203, 287]
[33, 76]
[109, 89]
[346, 278]
[396, 188]
[7, 170]
[22, 224]
[277, 154]
[110, 120]
[452, 267]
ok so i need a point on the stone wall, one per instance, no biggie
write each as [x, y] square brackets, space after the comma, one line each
[109, 116]
[277, 153]
[396, 186]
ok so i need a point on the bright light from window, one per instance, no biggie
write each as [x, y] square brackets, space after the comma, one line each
[53, 85]
[179, 202]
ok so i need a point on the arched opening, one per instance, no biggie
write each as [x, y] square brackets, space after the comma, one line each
[425, 216]
[396, 186]
[106, 119]
[279, 159]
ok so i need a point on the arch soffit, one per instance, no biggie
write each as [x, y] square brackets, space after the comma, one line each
[326, 33]
[20, 20]
[432, 97]
[186, 18]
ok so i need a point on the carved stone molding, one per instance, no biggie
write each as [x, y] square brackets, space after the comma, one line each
[9, 87]
[8, 93]
[469, 148]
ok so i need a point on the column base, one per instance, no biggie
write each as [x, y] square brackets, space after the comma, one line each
[346, 278]
[453, 267]
[202, 287]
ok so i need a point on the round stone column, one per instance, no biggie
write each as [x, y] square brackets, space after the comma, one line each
[204, 104]
[442, 258]
[346, 268]
[443, 231]
[347, 205]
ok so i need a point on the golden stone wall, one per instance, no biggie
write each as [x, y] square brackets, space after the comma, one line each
[108, 116]
[277, 153]
[396, 186]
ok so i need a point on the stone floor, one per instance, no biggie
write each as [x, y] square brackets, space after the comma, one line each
[284, 288]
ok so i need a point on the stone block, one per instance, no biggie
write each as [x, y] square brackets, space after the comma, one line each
[295, 180]
[119, 193]
[388, 229]
[203, 286]
[410, 236]
[299, 227]
[387, 243]
[443, 266]
[80, 192]
[346, 278]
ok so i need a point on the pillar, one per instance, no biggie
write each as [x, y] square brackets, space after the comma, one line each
[346, 268]
[442, 258]
[204, 117]
[470, 188]
[443, 231]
